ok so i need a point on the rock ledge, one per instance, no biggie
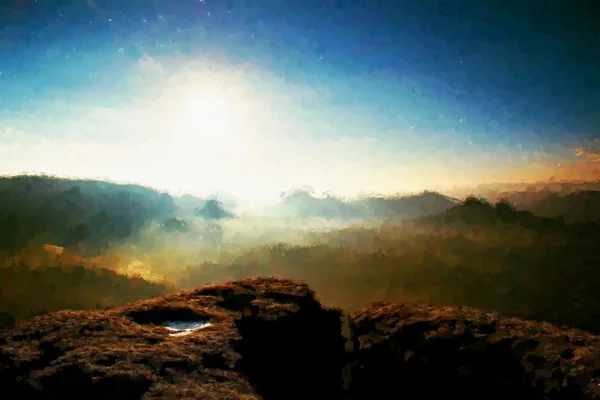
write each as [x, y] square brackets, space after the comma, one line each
[269, 338]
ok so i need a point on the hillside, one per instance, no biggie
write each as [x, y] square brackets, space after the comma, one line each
[580, 206]
[474, 211]
[475, 254]
[524, 195]
[551, 216]
[85, 215]
[36, 281]
[270, 338]
[575, 202]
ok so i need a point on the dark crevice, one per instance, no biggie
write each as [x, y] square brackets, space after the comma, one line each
[304, 352]
[216, 361]
[158, 316]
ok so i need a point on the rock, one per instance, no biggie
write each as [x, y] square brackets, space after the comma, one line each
[265, 338]
[401, 350]
[268, 338]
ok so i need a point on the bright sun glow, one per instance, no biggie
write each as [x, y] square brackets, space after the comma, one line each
[212, 138]
[207, 113]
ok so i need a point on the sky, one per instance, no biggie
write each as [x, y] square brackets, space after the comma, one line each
[254, 98]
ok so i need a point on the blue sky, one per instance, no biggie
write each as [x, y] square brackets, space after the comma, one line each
[256, 97]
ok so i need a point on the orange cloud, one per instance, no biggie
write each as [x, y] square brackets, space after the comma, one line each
[580, 163]
[587, 164]
[584, 164]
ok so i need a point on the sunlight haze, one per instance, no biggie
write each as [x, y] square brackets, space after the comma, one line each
[202, 124]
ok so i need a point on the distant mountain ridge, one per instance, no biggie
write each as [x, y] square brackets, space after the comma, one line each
[525, 195]
[478, 211]
[302, 203]
[580, 206]
[87, 214]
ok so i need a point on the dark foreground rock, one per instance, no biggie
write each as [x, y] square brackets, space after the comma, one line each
[268, 338]
[417, 351]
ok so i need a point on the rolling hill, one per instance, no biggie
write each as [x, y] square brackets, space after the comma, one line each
[580, 206]
[83, 214]
[302, 203]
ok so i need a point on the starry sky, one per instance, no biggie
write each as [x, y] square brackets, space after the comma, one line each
[255, 97]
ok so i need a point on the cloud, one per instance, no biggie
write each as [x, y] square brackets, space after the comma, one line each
[587, 163]
[148, 63]
[580, 163]
[587, 158]
[589, 154]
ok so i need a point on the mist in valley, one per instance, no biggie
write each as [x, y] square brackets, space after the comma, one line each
[91, 245]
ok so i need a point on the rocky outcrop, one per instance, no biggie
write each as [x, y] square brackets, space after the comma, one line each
[268, 338]
[254, 338]
[409, 349]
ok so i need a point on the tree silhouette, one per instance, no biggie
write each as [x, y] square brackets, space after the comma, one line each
[212, 209]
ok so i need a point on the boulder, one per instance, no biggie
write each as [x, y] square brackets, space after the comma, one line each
[269, 338]
[255, 338]
[414, 350]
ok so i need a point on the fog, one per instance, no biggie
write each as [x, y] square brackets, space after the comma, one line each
[158, 253]
[91, 245]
